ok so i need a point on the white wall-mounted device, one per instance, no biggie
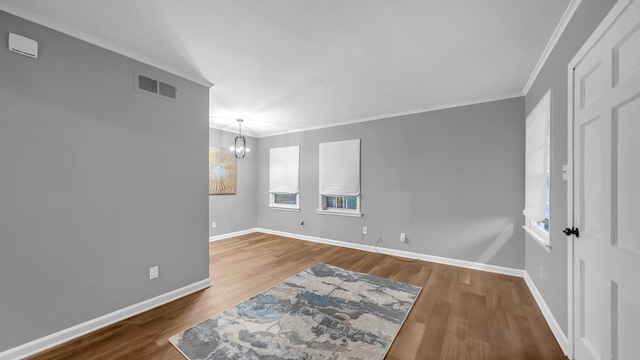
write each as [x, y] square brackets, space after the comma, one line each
[23, 46]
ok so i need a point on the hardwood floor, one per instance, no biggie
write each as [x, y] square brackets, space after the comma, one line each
[460, 314]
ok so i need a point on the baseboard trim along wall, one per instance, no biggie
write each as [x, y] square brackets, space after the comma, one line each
[546, 312]
[562, 339]
[406, 254]
[230, 235]
[73, 332]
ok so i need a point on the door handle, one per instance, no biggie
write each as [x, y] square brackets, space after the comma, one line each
[571, 231]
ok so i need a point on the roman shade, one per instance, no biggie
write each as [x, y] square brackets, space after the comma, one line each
[283, 170]
[537, 138]
[340, 168]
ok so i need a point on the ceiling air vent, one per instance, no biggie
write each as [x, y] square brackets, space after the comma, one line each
[156, 87]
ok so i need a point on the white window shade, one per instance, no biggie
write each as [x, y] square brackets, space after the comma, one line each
[340, 168]
[537, 136]
[283, 170]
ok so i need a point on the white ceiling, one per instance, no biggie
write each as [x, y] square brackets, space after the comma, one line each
[286, 65]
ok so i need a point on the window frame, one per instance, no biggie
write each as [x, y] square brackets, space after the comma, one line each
[533, 228]
[289, 156]
[286, 207]
[324, 210]
[540, 235]
[339, 175]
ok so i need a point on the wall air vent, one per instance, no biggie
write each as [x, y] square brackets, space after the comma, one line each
[148, 84]
[23, 46]
[157, 87]
[167, 90]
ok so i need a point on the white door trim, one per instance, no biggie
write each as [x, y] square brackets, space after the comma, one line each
[611, 17]
[570, 219]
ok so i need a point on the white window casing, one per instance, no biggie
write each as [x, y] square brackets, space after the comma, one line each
[537, 135]
[340, 168]
[339, 175]
[538, 125]
[284, 164]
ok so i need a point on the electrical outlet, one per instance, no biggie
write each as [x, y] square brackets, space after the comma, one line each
[301, 223]
[153, 272]
[365, 230]
[403, 237]
[213, 224]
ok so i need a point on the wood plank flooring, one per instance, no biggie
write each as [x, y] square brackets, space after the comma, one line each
[460, 313]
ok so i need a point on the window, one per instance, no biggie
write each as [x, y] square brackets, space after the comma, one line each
[341, 202]
[339, 175]
[283, 178]
[544, 224]
[285, 199]
[538, 172]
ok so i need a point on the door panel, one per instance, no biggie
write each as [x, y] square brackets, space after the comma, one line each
[626, 56]
[590, 167]
[606, 190]
[595, 293]
[591, 85]
[627, 318]
[627, 175]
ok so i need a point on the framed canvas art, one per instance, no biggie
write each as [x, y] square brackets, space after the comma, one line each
[223, 171]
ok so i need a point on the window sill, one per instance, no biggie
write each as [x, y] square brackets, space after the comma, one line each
[339, 213]
[282, 208]
[539, 239]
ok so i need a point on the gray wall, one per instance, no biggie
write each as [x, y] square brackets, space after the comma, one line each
[235, 212]
[553, 285]
[98, 182]
[452, 180]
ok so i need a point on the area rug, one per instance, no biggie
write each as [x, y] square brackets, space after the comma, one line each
[323, 312]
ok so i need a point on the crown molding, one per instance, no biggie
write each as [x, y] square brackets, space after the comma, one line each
[557, 33]
[397, 114]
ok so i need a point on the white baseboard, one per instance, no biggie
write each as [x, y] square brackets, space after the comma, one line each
[405, 254]
[544, 308]
[546, 312]
[229, 235]
[562, 339]
[73, 332]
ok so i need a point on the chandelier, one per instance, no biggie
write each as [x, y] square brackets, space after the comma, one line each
[240, 148]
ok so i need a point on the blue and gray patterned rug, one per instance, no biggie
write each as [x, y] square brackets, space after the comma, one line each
[324, 312]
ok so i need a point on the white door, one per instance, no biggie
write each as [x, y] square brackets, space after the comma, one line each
[606, 189]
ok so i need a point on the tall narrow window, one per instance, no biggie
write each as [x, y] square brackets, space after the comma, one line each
[538, 171]
[339, 178]
[284, 192]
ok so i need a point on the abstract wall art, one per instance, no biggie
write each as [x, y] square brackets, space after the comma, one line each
[223, 171]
